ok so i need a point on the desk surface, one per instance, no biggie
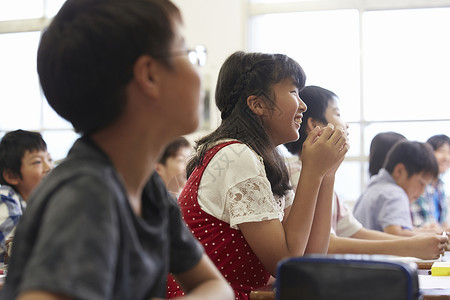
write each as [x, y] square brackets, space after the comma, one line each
[269, 294]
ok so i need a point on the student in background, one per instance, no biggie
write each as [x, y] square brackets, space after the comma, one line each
[379, 147]
[238, 200]
[385, 203]
[171, 165]
[24, 162]
[430, 210]
[101, 226]
[348, 235]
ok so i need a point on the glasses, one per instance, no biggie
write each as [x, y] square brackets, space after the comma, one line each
[196, 56]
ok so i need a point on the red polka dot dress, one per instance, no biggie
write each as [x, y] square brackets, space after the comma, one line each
[226, 246]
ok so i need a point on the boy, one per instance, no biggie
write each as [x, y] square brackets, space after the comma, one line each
[101, 227]
[24, 162]
[430, 210]
[171, 165]
[385, 204]
[347, 234]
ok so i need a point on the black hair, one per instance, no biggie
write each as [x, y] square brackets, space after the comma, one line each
[243, 75]
[379, 147]
[86, 56]
[317, 100]
[13, 146]
[417, 158]
[172, 148]
[437, 141]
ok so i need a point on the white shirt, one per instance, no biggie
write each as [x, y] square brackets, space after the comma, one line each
[234, 188]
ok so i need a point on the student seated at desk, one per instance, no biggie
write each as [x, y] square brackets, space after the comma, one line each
[430, 210]
[24, 162]
[238, 201]
[102, 224]
[385, 203]
[348, 235]
[172, 163]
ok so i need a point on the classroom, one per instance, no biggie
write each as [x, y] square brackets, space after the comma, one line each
[386, 60]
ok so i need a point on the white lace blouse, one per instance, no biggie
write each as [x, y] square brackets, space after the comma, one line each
[234, 188]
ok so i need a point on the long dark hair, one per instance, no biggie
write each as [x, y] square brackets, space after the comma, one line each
[243, 75]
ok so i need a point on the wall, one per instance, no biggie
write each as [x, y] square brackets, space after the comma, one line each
[218, 25]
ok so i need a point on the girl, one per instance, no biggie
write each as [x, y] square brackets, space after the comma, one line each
[238, 200]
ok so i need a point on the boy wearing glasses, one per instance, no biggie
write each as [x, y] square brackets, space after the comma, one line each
[101, 226]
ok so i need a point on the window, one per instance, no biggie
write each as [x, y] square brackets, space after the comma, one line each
[22, 104]
[388, 66]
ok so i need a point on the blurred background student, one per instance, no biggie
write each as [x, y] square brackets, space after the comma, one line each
[430, 210]
[385, 203]
[171, 166]
[24, 162]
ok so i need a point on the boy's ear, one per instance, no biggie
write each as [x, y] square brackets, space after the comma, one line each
[399, 171]
[256, 105]
[146, 76]
[11, 178]
[311, 123]
[158, 167]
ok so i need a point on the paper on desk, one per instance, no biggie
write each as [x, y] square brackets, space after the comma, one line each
[408, 259]
[434, 282]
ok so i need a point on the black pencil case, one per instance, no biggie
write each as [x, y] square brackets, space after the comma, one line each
[346, 276]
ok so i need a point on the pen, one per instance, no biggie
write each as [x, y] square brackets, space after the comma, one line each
[444, 233]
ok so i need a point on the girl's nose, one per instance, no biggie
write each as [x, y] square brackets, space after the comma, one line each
[302, 105]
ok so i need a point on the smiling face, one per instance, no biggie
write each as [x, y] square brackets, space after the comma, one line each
[283, 121]
[443, 157]
[35, 166]
[333, 114]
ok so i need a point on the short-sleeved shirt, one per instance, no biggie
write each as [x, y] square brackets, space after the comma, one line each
[229, 188]
[343, 223]
[383, 203]
[11, 209]
[235, 188]
[431, 206]
[80, 237]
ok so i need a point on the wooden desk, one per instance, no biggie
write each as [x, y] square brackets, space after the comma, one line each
[269, 294]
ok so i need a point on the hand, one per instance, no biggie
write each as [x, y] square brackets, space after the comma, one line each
[428, 246]
[325, 149]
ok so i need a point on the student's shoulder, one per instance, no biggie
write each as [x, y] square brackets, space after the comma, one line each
[9, 195]
[237, 152]
[382, 195]
[6, 190]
